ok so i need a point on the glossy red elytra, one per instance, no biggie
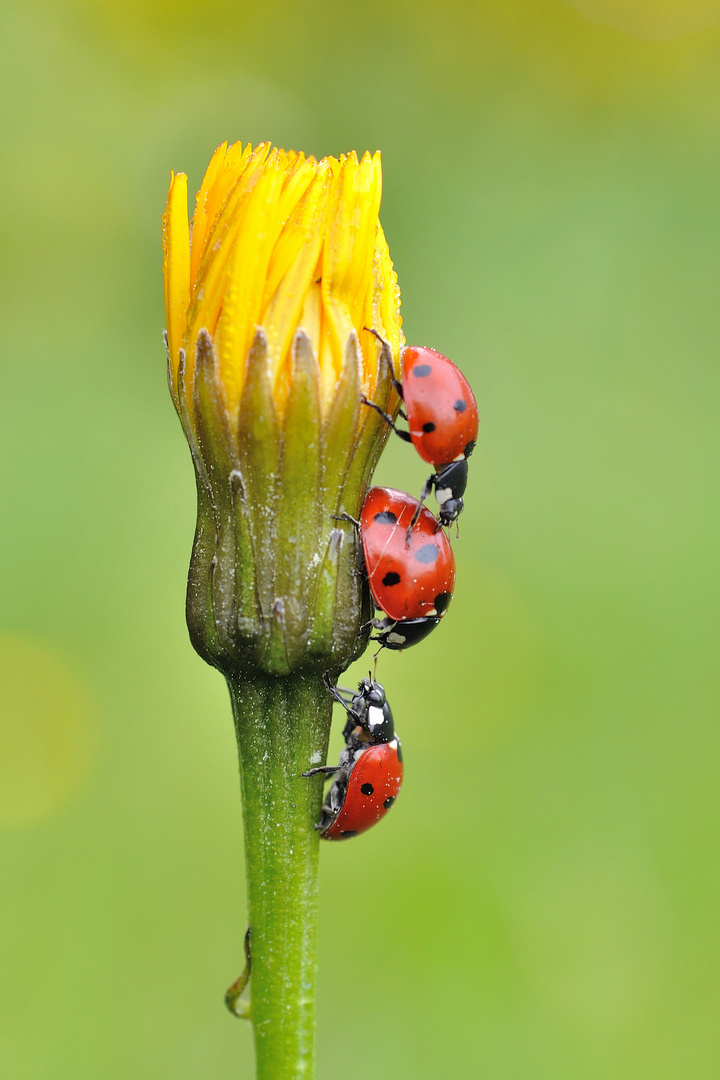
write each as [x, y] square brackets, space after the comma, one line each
[442, 417]
[369, 773]
[441, 408]
[412, 580]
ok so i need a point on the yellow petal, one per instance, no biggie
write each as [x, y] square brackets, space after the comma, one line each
[311, 317]
[245, 284]
[347, 266]
[176, 265]
[292, 269]
[201, 222]
[233, 169]
[383, 313]
[212, 282]
[292, 238]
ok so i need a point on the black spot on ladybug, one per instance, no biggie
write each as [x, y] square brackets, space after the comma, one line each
[399, 752]
[422, 370]
[460, 405]
[427, 428]
[441, 601]
[386, 517]
[428, 553]
[391, 578]
[348, 832]
[469, 448]
[367, 789]
[389, 801]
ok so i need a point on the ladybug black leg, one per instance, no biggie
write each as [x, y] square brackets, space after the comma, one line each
[386, 356]
[346, 517]
[427, 488]
[354, 718]
[327, 770]
[385, 626]
[335, 691]
[405, 435]
[232, 995]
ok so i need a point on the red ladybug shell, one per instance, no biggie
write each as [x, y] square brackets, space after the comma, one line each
[372, 789]
[406, 582]
[441, 407]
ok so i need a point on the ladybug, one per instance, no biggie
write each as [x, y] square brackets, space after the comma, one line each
[411, 583]
[442, 415]
[369, 772]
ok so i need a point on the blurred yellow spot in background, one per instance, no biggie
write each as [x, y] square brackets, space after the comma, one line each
[47, 732]
[652, 20]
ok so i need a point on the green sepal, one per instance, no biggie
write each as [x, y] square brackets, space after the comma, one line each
[259, 459]
[342, 604]
[299, 511]
[342, 418]
[230, 563]
[198, 602]
[374, 433]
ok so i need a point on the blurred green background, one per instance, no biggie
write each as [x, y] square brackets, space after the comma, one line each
[543, 902]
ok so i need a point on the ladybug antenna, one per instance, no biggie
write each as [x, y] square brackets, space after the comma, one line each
[370, 330]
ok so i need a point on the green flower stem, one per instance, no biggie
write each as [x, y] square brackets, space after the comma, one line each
[283, 727]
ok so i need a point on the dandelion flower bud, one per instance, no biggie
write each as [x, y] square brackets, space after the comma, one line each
[268, 296]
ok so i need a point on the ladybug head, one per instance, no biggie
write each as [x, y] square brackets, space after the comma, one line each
[375, 695]
[370, 692]
[450, 482]
[451, 510]
[377, 716]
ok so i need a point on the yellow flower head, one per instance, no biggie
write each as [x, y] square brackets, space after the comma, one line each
[281, 242]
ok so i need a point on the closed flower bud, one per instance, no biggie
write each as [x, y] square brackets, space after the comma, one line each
[269, 297]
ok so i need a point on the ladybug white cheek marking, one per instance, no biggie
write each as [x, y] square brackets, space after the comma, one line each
[396, 639]
[393, 745]
[375, 716]
[442, 495]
